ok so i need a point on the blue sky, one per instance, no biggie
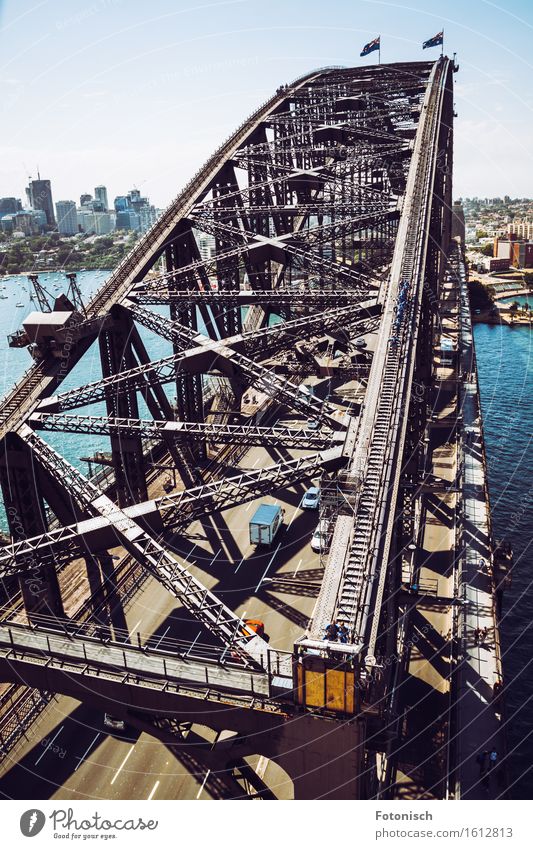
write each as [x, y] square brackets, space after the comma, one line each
[130, 92]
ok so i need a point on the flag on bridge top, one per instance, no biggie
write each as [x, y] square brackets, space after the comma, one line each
[435, 41]
[372, 45]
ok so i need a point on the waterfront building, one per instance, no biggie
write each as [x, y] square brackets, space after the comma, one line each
[85, 199]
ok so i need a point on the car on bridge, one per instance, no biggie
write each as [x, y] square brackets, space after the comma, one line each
[320, 538]
[311, 499]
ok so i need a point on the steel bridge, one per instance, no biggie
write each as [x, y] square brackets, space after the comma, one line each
[325, 218]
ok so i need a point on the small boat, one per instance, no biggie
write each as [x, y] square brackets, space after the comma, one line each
[19, 304]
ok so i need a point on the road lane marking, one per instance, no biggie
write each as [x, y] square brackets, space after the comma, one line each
[268, 567]
[132, 631]
[298, 566]
[152, 792]
[262, 764]
[193, 643]
[161, 637]
[240, 564]
[255, 464]
[121, 765]
[247, 508]
[292, 517]
[49, 744]
[88, 749]
[191, 551]
[215, 557]
[203, 784]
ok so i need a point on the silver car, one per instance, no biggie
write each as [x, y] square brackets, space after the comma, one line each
[311, 499]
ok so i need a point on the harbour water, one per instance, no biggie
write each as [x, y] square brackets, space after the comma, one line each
[506, 383]
[504, 357]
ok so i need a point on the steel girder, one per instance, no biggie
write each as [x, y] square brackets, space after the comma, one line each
[204, 356]
[176, 510]
[223, 434]
[152, 555]
[299, 297]
[265, 341]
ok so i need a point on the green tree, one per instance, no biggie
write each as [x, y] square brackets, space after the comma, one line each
[488, 249]
[481, 297]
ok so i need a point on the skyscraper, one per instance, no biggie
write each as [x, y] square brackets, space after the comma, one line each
[67, 217]
[9, 206]
[40, 197]
[122, 203]
[100, 194]
[85, 199]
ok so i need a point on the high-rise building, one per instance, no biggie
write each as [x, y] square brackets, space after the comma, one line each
[128, 220]
[40, 197]
[67, 217]
[85, 199]
[122, 203]
[9, 206]
[100, 194]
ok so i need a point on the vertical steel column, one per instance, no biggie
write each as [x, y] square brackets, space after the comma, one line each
[26, 515]
[116, 355]
[189, 390]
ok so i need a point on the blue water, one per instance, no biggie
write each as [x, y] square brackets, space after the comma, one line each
[504, 358]
[520, 299]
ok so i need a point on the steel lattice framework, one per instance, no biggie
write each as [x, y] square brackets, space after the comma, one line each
[321, 220]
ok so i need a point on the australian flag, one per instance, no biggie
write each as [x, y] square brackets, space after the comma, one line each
[435, 41]
[372, 45]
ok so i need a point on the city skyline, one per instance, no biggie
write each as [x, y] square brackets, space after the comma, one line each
[147, 101]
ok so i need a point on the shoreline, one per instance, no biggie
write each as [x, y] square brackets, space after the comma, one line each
[503, 317]
[52, 271]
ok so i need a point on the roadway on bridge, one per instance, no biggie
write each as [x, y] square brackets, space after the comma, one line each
[278, 585]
